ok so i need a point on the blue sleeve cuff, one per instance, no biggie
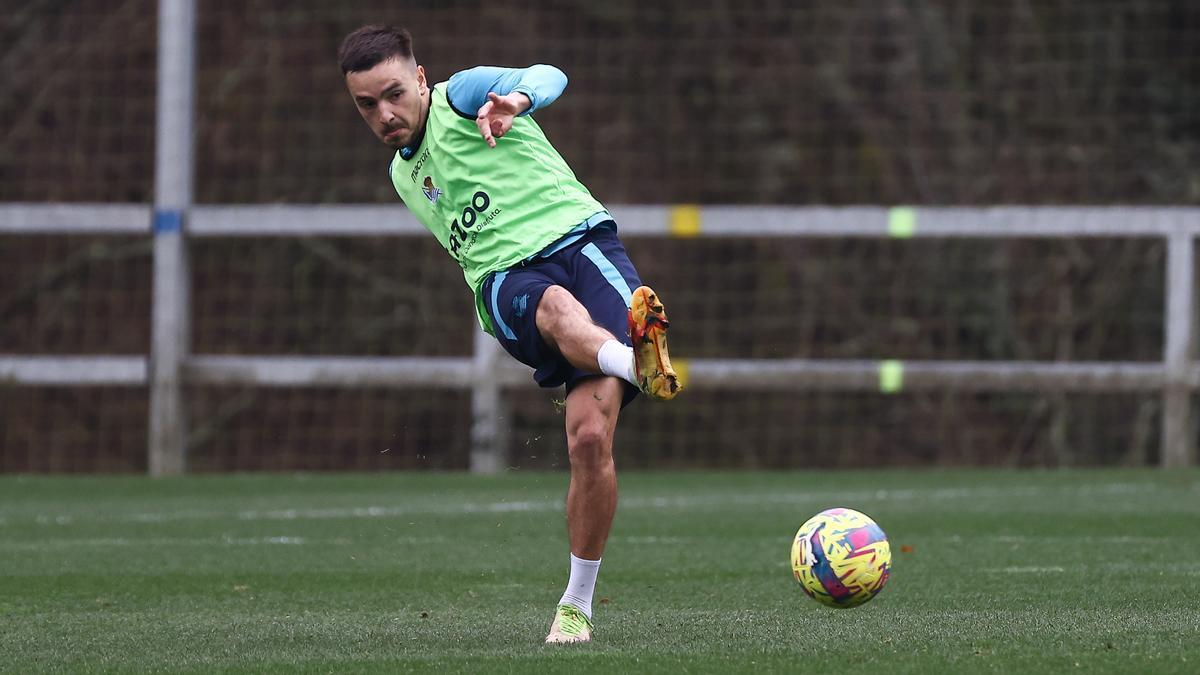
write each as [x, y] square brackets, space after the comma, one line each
[531, 93]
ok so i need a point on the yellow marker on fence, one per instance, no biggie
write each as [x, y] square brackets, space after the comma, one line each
[902, 222]
[685, 220]
[681, 370]
[891, 376]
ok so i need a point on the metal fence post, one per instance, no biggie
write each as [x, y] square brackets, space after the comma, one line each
[172, 199]
[1178, 443]
[489, 431]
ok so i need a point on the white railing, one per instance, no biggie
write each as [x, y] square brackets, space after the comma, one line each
[486, 373]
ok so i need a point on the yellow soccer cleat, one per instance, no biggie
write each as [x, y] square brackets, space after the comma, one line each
[648, 330]
[570, 625]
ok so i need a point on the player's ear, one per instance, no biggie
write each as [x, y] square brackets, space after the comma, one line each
[422, 85]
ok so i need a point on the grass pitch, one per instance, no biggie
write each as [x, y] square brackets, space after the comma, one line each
[993, 571]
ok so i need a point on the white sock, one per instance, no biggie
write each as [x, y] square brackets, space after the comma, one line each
[616, 360]
[581, 585]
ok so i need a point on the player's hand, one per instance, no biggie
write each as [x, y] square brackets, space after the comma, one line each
[495, 117]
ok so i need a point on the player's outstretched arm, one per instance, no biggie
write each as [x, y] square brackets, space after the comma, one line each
[498, 95]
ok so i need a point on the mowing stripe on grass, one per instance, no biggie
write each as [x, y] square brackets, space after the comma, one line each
[103, 542]
[815, 498]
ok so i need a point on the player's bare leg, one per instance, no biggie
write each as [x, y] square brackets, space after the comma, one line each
[591, 412]
[591, 418]
[592, 408]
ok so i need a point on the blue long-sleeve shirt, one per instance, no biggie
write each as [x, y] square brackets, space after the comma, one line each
[468, 89]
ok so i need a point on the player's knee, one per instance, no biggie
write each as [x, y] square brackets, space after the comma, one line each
[556, 309]
[590, 444]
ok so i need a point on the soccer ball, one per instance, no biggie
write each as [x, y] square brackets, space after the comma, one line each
[841, 558]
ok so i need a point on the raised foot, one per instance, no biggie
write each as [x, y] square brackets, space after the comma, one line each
[648, 331]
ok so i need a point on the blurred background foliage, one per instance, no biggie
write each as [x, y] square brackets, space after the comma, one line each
[849, 102]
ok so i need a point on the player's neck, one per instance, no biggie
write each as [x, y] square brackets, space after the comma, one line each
[419, 137]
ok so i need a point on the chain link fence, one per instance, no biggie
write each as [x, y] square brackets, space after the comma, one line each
[854, 102]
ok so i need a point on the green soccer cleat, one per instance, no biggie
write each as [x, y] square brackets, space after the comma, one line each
[570, 625]
[648, 331]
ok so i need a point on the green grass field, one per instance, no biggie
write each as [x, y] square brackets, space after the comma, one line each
[1088, 571]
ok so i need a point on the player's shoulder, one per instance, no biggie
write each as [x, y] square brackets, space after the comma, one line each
[449, 97]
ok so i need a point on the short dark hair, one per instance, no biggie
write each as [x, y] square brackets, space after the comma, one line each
[369, 46]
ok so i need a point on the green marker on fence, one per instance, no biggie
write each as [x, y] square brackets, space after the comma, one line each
[902, 222]
[891, 376]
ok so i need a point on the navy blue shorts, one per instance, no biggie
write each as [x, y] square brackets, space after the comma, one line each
[595, 269]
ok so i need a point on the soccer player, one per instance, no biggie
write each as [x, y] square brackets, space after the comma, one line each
[552, 281]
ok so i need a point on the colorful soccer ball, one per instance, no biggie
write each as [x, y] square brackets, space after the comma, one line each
[841, 558]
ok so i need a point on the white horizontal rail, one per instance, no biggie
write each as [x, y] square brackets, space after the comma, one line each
[741, 221]
[75, 218]
[299, 371]
[315, 219]
[749, 374]
[462, 373]
[999, 376]
[73, 370]
[928, 221]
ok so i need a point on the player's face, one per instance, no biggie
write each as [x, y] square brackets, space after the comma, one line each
[391, 97]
